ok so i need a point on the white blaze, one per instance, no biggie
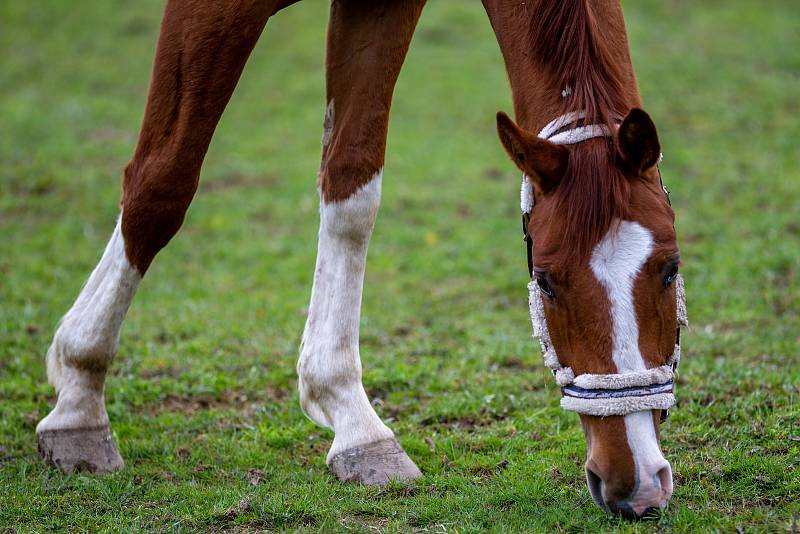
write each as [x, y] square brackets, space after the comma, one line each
[616, 262]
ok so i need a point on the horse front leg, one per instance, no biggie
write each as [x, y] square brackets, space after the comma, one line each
[367, 43]
[201, 52]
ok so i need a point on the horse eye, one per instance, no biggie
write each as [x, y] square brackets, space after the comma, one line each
[544, 285]
[671, 274]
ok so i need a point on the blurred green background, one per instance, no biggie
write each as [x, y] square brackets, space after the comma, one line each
[202, 395]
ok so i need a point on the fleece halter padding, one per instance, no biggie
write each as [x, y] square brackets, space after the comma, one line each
[557, 132]
[608, 394]
[599, 394]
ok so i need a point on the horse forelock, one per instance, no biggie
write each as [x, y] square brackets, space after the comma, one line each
[592, 194]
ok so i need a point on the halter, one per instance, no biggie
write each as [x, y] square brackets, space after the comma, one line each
[597, 394]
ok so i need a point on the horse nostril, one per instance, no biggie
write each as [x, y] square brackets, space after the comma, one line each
[652, 495]
[664, 481]
[595, 484]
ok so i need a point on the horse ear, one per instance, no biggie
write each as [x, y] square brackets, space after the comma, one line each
[544, 162]
[637, 140]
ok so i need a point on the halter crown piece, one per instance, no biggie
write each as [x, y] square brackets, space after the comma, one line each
[609, 394]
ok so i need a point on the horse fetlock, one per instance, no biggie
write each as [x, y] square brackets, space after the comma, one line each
[76, 353]
[321, 389]
[309, 402]
[77, 368]
[81, 401]
[335, 398]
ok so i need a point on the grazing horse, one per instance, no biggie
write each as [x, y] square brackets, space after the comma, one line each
[601, 244]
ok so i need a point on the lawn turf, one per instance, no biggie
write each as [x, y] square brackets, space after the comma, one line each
[202, 395]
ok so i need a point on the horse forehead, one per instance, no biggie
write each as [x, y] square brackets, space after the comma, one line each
[622, 252]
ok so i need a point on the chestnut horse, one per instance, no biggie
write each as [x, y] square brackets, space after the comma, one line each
[604, 259]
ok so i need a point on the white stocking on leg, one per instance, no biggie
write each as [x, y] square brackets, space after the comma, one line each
[331, 392]
[76, 435]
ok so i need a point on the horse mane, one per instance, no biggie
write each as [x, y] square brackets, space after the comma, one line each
[567, 42]
[565, 39]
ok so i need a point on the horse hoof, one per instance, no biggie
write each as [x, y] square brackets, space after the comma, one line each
[80, 449]
[374, 464]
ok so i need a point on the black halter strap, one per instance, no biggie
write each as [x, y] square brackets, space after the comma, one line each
[526, 236]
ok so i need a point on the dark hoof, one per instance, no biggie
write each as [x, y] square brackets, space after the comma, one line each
[80, 449]
[374, 464]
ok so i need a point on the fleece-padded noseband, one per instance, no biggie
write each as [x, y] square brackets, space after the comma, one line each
[597, 394]
[609, 394]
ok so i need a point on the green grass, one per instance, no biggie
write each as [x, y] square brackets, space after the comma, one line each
[202, 395]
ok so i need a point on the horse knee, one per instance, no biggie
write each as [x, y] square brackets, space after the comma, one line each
[153, 208]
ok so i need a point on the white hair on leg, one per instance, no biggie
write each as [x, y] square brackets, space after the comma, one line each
[329, 368]
[87, 339]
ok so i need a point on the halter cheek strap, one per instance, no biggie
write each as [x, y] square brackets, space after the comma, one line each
[597, 394]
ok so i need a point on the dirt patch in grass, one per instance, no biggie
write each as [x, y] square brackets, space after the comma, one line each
[366, 522]
[159, 372]
[244, 403]
[483, 418]
[486, 471]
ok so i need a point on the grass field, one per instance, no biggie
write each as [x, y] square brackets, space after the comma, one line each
[202, 396]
